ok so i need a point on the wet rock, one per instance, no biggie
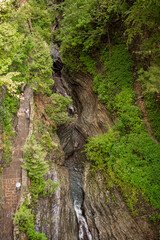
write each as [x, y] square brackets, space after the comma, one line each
[57, 62]
[106, 213]
[93, 118]
[55, 214]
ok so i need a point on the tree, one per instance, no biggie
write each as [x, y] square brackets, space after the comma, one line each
[34, 160]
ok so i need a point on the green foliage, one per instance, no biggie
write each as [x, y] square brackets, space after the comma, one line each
[140, 14]
[155, 218]
[8, 108]
[7, 81]
[30, 60]
[129, 116]
[126, 149]
[7, 149]
[34, 160]
[134, 159]
[151, 90]
[150, 79]
[46, 142]
[88, 62]
[24, 33]
[36, 165]
[10, 41]
[152, 106]
[83, 25]
[42, 188]
[132, 196]
[56, 110]
[40, 14]
[117, 75]
[98, 148]
[25, 221]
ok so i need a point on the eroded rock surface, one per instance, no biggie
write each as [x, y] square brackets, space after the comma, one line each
[55, 214]
[92, 116]
[106, 212]
[108, 216]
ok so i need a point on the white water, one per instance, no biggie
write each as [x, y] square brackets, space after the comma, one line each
[84, 233]
[74, 162]
[76, 170]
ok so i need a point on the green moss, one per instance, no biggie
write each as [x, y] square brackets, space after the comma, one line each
[155, 218]
[117, 76]
[152, 106]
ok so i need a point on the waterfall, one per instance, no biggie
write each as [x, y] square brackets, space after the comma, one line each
[75, 159]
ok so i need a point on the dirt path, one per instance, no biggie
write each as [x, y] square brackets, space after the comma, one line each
[13, 174]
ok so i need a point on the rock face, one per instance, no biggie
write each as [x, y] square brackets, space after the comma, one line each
[55, 214]
[92, 116]
[107, 215]
[104, 211]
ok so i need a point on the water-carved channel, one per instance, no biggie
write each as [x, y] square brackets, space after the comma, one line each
[72, 141]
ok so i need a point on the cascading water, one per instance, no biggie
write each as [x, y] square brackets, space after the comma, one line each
[76, 169]
[74, 158]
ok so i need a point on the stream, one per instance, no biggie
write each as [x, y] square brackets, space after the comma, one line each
[61, 216]
[75, 167]
[74, 158]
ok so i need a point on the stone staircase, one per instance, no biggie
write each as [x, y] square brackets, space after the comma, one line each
[13, 174]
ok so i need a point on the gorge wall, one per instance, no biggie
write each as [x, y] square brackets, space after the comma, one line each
[102, 212]
[102, 44]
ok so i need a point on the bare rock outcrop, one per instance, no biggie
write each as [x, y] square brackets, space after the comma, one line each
[107, 214]
[55, 215]
[92, 116]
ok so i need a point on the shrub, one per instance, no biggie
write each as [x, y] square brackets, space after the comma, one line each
[126, 149]
[8, 108]
[56, 110]
[25, 221]
[34, 160]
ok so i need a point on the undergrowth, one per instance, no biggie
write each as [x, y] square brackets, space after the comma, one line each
[37, 166]
[8, 108]
[153, 108]
[126, 149]
[25, 220]
[151, 89]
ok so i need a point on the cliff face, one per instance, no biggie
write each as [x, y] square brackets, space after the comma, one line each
[84, 207]
[107, 214]
[55, 216]
[105, 211]
[90, 34]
